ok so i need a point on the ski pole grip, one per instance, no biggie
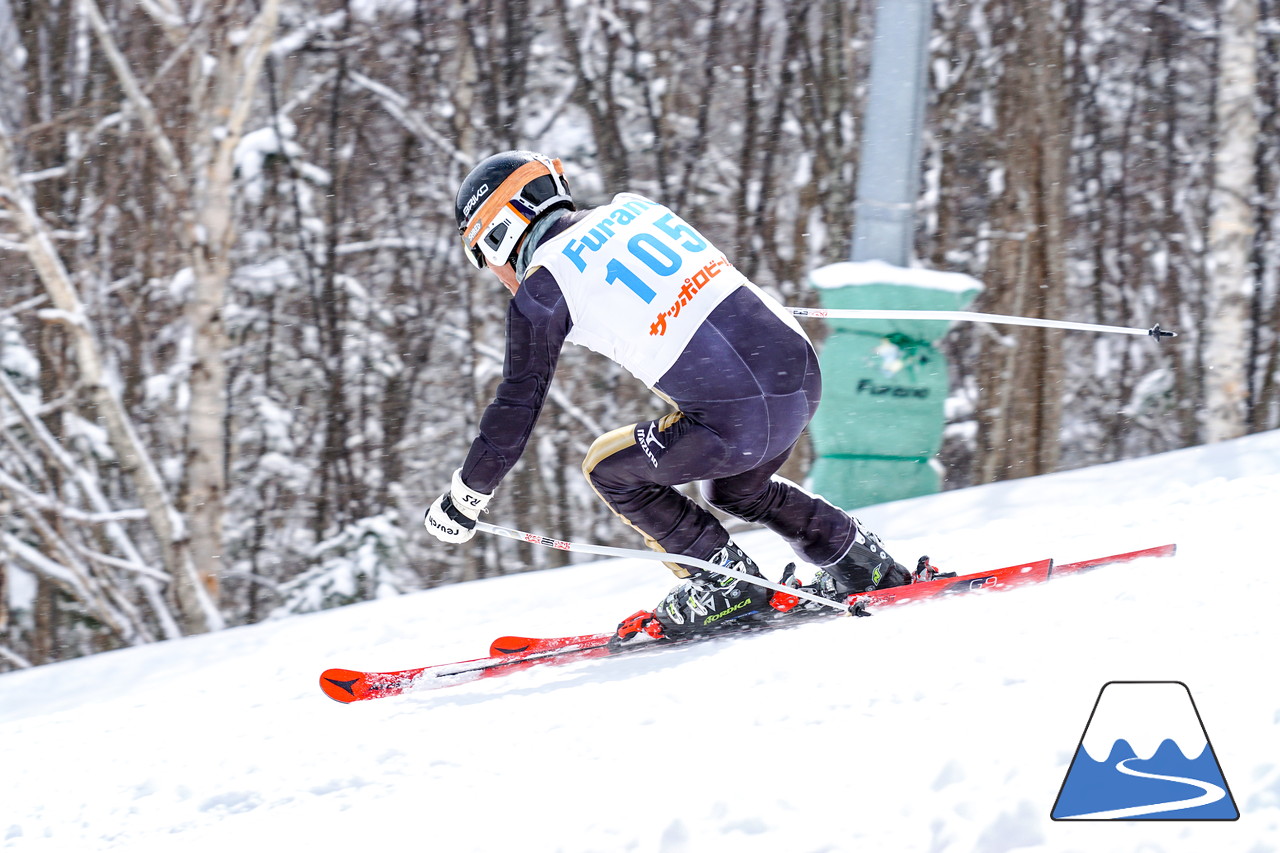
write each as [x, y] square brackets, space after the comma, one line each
[1158, 333]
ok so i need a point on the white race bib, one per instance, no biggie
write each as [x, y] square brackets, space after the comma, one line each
[639, 281]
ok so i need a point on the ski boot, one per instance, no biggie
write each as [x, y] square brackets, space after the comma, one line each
[705, 601]
[865, 566]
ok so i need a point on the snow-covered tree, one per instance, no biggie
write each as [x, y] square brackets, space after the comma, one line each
[242, 351]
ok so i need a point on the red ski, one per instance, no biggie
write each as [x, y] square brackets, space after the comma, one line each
[508, 646]
[1087, 565]
[513, 654]
[349, 685]
[1001, 579]
[1009, 577]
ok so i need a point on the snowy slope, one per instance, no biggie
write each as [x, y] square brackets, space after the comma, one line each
[942, 727]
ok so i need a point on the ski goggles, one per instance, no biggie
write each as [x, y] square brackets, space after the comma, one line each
[496, 228]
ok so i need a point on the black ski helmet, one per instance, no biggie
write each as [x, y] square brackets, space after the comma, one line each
[502, 197]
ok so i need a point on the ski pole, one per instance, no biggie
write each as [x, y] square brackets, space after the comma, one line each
[971, 316]
[607, 551]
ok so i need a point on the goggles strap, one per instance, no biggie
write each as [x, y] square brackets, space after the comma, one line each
[495, 203]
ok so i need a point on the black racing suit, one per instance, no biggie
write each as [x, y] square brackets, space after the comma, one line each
[745, 387]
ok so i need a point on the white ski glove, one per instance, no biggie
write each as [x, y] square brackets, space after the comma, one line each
[452, 518]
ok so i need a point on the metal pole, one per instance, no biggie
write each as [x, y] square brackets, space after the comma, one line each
[889, 163]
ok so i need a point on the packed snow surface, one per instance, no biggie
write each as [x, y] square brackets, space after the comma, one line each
[944, 726]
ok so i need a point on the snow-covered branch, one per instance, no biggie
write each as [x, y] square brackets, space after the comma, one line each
[397, 106]
[137, 97]
[14, 658]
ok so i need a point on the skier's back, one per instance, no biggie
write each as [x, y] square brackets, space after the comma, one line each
[635, 282]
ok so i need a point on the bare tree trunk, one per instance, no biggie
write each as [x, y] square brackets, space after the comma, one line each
[44, 624]
[595, 92]
[1264, 411]
[1021, 374]
[239, 66]
[742, 197]
[4, 591]
[1231, 227]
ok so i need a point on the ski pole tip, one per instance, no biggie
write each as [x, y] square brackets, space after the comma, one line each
[1158, 333]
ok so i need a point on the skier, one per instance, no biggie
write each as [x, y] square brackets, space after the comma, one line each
[635, 282]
